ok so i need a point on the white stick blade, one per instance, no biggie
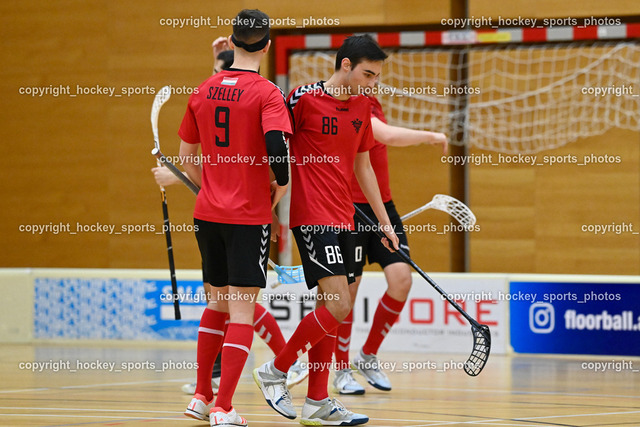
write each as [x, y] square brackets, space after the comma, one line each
[455, 208]
[161, 97]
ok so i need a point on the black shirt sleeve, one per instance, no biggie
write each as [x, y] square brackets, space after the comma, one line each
[278, 155]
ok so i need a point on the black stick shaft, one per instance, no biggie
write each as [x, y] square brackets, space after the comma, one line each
[409, 261]
[172, 266]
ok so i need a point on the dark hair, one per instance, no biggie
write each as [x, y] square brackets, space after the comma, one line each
[250, 26]
[226, 56]
[358, 49]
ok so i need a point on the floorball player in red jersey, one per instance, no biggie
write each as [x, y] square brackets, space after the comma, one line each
[264, 324]
[240, 120]
[396, 271]
[331, 142]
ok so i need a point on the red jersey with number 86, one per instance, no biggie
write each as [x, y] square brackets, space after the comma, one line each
[328, 135]
[229, 115]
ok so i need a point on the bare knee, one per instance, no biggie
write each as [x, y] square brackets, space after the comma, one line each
[399, 281]
[339, 307]
[334, 291]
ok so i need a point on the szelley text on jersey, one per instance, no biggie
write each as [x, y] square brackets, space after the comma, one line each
[217, 93]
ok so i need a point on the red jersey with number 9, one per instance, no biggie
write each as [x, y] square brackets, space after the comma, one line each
[228, 116]
[328, 135]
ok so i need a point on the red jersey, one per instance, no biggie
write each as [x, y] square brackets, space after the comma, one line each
[379, 162]
[229, 115]
[328, 135]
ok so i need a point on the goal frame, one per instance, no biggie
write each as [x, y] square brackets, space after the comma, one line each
[286, 44]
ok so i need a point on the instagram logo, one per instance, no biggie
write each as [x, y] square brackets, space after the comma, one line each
[541, 318]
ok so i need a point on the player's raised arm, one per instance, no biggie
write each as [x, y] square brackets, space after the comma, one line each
[402, 137]
[218, 46]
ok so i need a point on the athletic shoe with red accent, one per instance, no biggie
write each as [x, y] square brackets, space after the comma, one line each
[199, 408]
[220, 417]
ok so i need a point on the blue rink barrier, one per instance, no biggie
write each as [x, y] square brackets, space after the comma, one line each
[110, 308]
[138, 305]
[557, 314]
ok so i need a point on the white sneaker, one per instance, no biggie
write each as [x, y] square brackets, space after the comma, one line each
[329, 412]
[369, 367]
[220, 417]
[344, 383]
[191, 388]
[199, 408]
[297, 373]
[274, 389]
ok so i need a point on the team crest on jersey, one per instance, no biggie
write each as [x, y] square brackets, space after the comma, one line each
[356, 124]
[228, 81]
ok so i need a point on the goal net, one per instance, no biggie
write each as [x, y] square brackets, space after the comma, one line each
[509, 99]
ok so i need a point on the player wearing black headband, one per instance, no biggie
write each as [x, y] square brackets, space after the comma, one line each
[252, 47]
[234, 113]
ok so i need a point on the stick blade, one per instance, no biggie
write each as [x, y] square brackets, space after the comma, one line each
[455, 208]
[287, 274]
[161, 97]
[292, 274]
[481, 349]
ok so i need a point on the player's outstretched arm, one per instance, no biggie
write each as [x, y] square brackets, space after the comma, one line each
[402, 137]
[190, 162]
[369, 186]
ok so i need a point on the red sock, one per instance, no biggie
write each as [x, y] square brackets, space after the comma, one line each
[386, 315]
[210, 338]
[319, 367]
[343, 341]
[235, 350]
[267, 328]
[311, 329]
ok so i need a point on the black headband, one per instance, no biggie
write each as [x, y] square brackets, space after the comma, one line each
[253, 47]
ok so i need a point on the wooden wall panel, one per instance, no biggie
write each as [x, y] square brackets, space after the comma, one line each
[537, 218]
[416, 175]
[550, 8]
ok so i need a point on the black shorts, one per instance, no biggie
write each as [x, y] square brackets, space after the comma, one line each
[368, 244]
[233, 254]
[325, 252]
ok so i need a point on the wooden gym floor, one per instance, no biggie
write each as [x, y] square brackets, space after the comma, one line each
[78, 386]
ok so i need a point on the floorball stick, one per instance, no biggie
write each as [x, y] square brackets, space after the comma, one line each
[161, 97]
[450, 205]
[481, 333]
